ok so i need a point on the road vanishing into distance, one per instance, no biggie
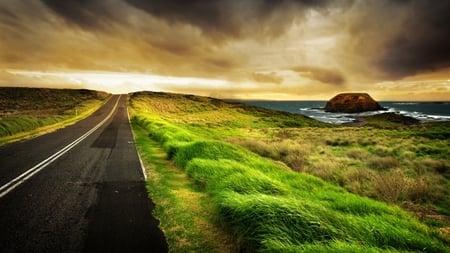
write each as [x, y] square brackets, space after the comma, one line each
[79, 189]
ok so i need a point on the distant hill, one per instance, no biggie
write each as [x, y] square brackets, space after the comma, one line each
[27, 112]
[194, 105]
[42, 101]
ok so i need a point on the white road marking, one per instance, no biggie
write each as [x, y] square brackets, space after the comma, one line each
[144, 172]
[11, 185]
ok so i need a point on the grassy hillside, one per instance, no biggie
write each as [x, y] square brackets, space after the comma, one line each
[25, 111]
[260, 173]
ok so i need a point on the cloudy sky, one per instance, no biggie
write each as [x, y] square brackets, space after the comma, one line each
[254, 49]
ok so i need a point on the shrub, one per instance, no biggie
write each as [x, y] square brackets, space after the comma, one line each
[295, 160]
[324, 169]
[285, 133]
[424, 150]
[357, 153]
[260, 147]
[383, 163]
[440, 166]
[358, 180]
[337, 142]
[292, 154]
[420, 190]
[366, 142]
[382, 150]
[390, 187]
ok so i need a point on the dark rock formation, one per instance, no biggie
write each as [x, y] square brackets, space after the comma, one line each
[352, 103]
[385, 120]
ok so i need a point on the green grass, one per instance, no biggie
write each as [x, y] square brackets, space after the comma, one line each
[29, 112]
[389, 120]
[266, 206]
[362, 159]
[184, 212]
[16, 124]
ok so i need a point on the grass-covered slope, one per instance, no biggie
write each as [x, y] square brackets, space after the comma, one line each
[266, 205]
[26, 109]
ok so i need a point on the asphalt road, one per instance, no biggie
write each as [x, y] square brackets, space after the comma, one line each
[89, 198]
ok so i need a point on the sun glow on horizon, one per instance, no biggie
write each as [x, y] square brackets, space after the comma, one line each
[418, 89]
[121, 82]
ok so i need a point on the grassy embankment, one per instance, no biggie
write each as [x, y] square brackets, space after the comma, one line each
[27, 112]
[272, 205]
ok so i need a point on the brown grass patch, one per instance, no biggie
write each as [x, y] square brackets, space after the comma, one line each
[357, 153]
[383, 163]
[390, 187]
[420, 190]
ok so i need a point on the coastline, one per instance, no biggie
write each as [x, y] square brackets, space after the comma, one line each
[436, 111]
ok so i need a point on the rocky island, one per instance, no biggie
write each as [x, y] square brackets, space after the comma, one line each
[352, 103]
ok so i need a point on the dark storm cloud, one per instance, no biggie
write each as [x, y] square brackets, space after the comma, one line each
[323, 75]
[231, 18]
[424, 43]
[401, 38]
[216, 19]
[86, 13]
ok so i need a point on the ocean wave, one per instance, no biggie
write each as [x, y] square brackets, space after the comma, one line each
[406, 103]
[344, 118]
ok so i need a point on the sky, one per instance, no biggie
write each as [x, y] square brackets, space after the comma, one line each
[242, 49]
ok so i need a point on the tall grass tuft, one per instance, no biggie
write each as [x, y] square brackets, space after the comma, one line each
[383, 163]
[391, 187]
[208, 150]
[420, 190]
[291, 153]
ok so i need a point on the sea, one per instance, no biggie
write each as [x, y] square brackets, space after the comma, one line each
[423, 111]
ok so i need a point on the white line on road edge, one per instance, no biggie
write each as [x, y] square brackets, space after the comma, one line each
[5, 189]
[144, 172]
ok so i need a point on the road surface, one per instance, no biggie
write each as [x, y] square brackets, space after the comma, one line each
[79, 189]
